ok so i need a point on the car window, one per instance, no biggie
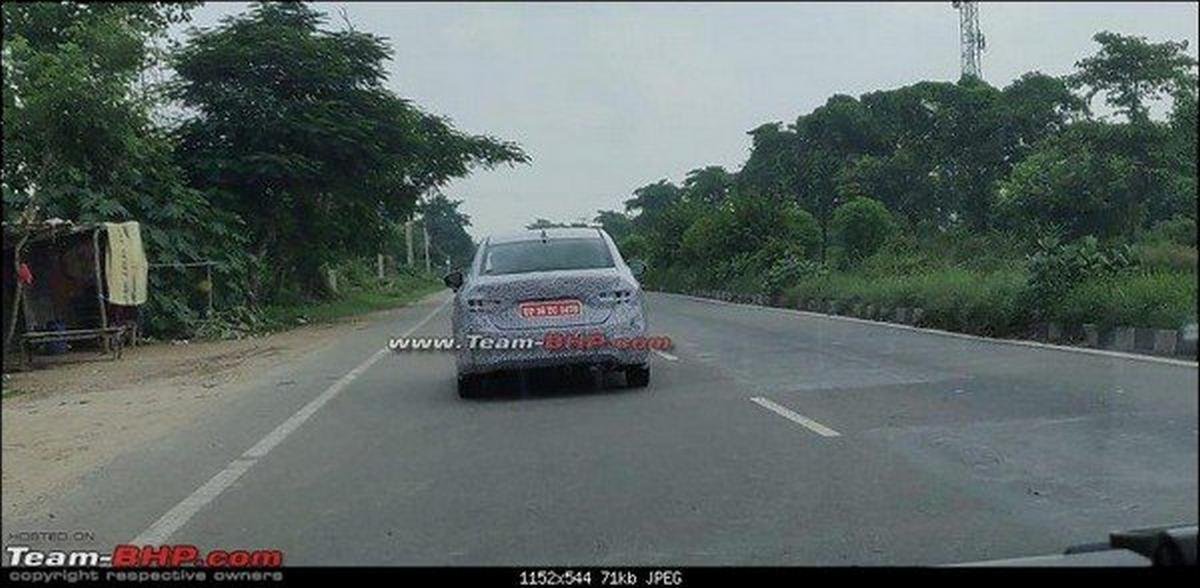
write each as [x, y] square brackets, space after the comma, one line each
[543, 256]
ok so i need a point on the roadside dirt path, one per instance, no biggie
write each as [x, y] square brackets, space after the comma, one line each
[77, 412]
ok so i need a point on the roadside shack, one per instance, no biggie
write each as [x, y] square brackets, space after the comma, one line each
[78, 282]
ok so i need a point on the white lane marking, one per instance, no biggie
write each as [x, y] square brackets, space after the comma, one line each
[665, 355]
[180, 514]
[795, 417]
[1016, 342]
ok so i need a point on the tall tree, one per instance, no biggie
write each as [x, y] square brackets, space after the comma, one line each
[447, 228]
[828, 139]
[709, 184]
[770, 170]
[71, 118]
[652, 199]
[296, 132]
[1132, 72]
[80, 142]
[1181, 155]
[616, 224]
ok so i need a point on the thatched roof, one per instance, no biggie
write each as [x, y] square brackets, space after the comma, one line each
[48, 229]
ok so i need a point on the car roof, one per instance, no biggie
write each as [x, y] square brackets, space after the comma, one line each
[557, 233]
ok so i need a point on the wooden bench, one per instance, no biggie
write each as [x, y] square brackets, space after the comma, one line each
[110, 337]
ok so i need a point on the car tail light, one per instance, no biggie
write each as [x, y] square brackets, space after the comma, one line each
[482, 304]
[616, 296]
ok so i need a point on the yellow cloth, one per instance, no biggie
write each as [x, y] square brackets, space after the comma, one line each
[125, 264]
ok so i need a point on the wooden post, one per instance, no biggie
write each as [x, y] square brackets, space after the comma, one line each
[100, 285]
[208, 276]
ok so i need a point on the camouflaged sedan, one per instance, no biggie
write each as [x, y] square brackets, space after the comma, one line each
[556, 297]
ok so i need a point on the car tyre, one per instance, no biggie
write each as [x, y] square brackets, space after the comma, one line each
[469, 386]
[637, 376]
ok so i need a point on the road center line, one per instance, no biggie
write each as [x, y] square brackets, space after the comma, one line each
[795, 417]
[665, 355]
[181, 513]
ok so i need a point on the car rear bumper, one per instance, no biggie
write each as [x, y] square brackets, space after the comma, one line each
[569, 345]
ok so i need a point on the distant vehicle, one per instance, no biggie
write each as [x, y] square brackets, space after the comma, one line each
[570, 285]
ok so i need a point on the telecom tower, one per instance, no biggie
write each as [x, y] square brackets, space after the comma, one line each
[970, 37]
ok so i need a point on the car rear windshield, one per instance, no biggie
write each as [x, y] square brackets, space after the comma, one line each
[544, 256]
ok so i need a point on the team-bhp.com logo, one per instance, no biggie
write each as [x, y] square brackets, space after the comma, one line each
[146, 556]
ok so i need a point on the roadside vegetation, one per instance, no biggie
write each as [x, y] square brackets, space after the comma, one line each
[359, 292]
[270, 144]
[992, 209]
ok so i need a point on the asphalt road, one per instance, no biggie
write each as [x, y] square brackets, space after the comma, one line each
[766, 437]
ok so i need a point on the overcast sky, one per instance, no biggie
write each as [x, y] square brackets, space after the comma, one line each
[609, 97]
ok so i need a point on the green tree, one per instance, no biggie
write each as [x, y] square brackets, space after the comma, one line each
[862, 226]
[900, 180]
[1032, 108]
[828, 139]
[771, 168]
[447, 228]
[745, 224]
[1180, 157]
[71, 116]
[709, 184]
[651, 199]
[664, 230]
[1078, 182]
[295, 132]
[1132, 72]
[615, 223]
[80, 143]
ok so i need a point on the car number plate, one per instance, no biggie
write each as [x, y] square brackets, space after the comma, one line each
[550, 308]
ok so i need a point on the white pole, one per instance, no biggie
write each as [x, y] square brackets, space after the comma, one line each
[428, 267]
[408, 240]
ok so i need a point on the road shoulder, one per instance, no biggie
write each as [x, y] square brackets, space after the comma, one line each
[73, 418]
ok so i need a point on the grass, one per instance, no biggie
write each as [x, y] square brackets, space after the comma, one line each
[1158, 299]
[955, 299]
[1167, 256]
[993, 297]
[354, 301]
[10, 392]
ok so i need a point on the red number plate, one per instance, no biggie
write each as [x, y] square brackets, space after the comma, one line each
[544, 308]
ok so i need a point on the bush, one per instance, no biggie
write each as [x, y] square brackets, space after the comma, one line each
[709, 238]
[788, 269]
[953, 299]
[1166, 256]
[1170, 245]
[749, 224]
[633, 247]
[1158, 299]
[1056, 268]
[861, 226]
[1179, 230]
